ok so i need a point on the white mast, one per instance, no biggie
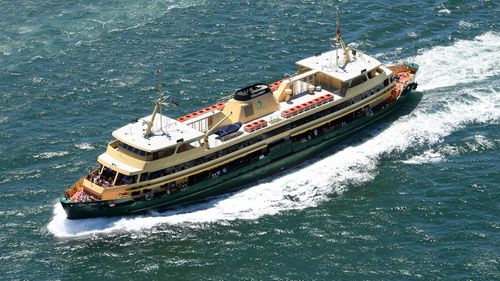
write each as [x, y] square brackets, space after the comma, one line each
[157, 106]
[338, 38]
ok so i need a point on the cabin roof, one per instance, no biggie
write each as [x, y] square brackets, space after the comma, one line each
[170, 133]
[116, 164]
[326, 63]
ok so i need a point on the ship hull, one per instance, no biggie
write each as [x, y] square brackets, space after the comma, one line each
[286, 155]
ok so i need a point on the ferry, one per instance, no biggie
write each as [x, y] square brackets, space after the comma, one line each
[158, 162]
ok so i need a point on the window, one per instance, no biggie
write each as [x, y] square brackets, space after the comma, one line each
[123, 179]
[358, 80]
[164, 153]
[133, 149]
[184, 147]
[144, 177]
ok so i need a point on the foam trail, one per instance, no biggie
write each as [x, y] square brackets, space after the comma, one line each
[440, 153]
[314, 183]
[463, 62]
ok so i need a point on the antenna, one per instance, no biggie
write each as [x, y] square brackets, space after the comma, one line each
[338, 38]
[160, 88]
[157, 106]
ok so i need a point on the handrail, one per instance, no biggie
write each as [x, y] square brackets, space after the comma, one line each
[74, 188]
[224, 99]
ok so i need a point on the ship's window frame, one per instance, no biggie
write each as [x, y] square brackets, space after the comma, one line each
[167, 152]
[386, 82]
[144, 177]
[372, 74]
[183, 147]
[108, 174]
[358, 80]
[134, 150]
[130, 179]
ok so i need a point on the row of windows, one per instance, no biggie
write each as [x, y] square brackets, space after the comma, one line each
[277, 131]
[133, 149]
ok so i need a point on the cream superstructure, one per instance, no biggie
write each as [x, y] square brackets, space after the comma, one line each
[133, 157]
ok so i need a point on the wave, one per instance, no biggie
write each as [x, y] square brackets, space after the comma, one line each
[99, 20]
[463, 62]
[19, 175]
[436, 117]
[48, 155]
[84, 146]
[478, 143]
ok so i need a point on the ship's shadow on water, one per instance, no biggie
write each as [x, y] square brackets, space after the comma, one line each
[212, 209]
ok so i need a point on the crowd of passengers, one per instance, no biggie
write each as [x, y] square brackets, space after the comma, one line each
[99, 180]
[83, 197]
[106, 178]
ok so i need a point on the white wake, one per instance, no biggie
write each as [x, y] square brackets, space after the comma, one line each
[464, 62]
[316, 182]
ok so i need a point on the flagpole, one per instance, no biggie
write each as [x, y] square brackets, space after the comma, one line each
[160, 87]
[347, 57]
[337, 38]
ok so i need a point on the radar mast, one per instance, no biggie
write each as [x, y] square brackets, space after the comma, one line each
[158, 106]
[340, 41]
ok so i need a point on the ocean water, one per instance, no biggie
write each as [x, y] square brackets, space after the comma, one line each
[415, 197]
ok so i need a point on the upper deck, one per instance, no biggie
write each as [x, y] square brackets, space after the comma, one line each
[319, 83]
[276, 118]
[166, 131]
[327, 63]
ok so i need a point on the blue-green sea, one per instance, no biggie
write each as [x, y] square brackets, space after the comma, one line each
[415, 197]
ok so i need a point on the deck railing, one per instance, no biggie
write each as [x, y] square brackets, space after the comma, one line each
[77, 186]
[224, 99]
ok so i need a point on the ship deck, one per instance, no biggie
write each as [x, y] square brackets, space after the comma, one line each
[275, 118]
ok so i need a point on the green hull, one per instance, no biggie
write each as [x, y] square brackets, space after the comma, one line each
[279, 158]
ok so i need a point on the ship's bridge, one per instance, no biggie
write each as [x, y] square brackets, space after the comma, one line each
[166, 132]
[327, 63]
[132, 148]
